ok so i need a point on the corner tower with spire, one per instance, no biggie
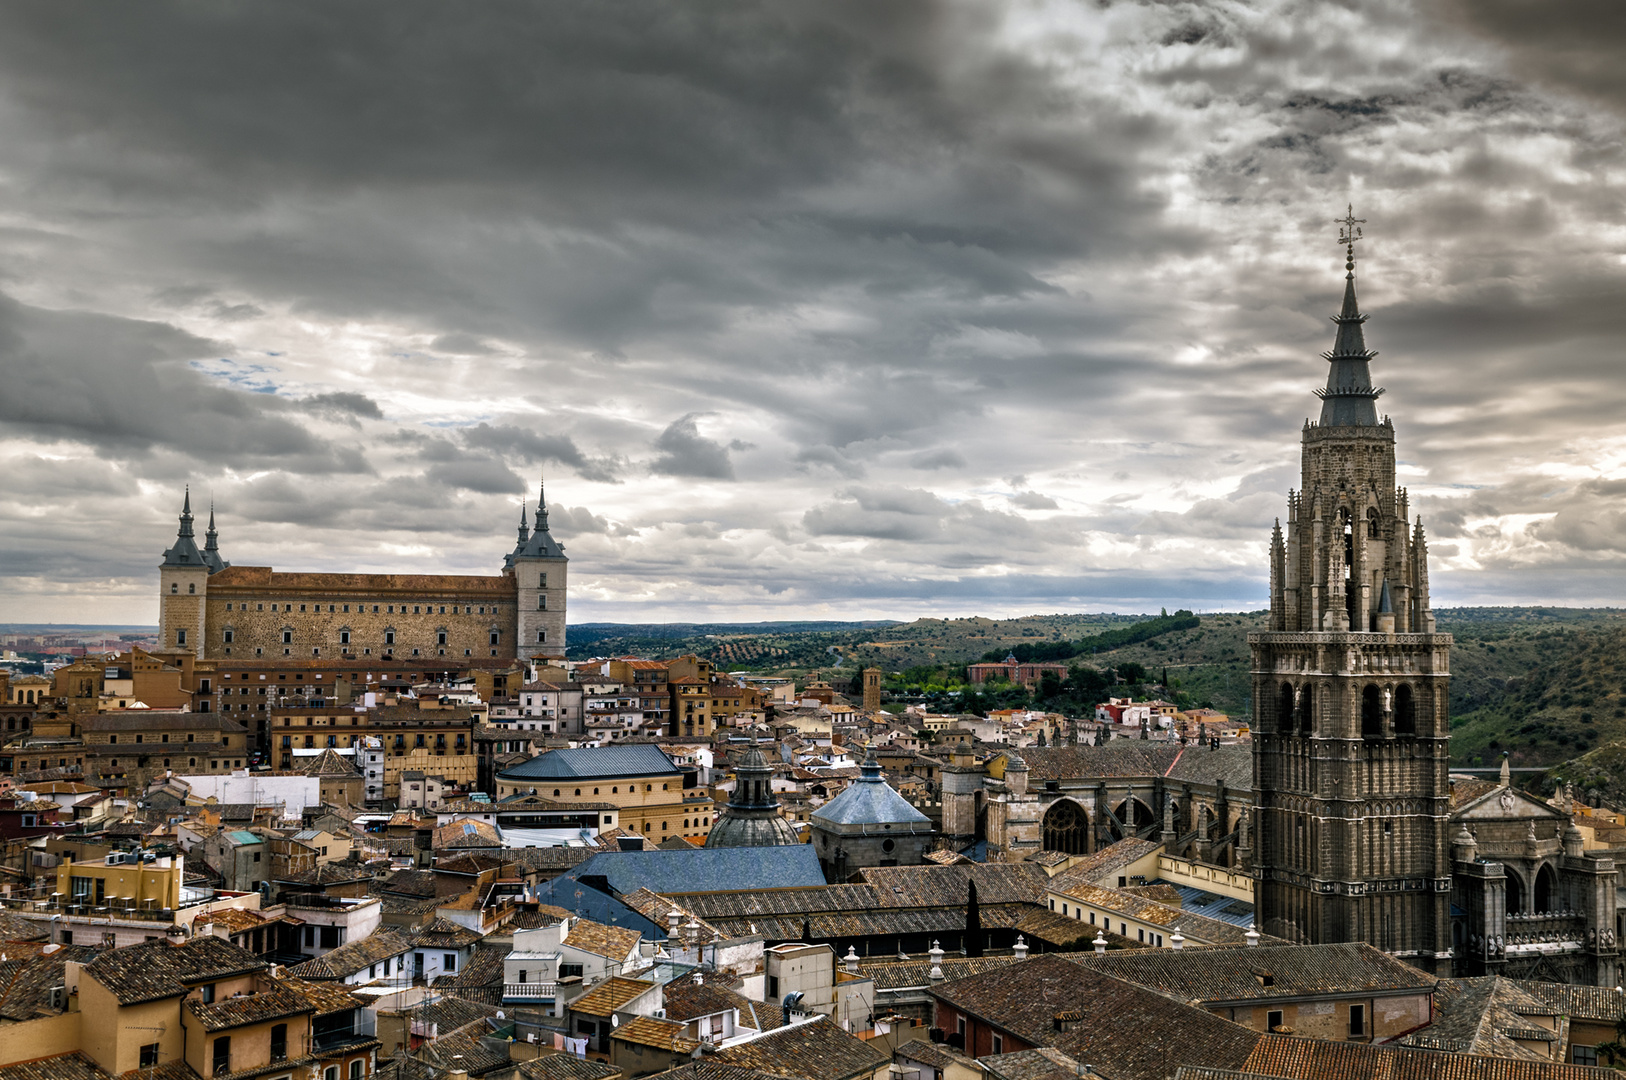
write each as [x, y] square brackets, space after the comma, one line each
[539, 566]
[183, 584]
[1350, 712]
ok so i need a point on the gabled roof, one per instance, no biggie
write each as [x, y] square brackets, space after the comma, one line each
[613, 942]
[155, 970]
[256, 1008]
[467, 833]
[651, 1031]
[608, 996]
[816, 1050]
[1109, 860]
[1212, 976]
[352, 956]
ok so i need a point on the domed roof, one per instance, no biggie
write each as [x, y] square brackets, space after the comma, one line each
[869, 801]
[752, 817]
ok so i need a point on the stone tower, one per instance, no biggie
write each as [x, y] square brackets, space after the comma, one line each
[1350, 713]
[183, 585]
[539, 566]
[872, 690]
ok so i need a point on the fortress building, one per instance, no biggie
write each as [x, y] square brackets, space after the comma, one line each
[215, 611]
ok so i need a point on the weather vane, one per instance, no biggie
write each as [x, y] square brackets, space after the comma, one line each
[1349, 231]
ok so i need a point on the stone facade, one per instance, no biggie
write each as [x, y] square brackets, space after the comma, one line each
[1350, 711]
[216, 611]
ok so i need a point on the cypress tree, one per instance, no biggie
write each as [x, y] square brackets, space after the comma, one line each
[973, 923]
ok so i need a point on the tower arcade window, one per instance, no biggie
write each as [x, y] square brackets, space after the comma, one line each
[1284, 710]
[1405, 710]
[1372, 523]
[1371, 713]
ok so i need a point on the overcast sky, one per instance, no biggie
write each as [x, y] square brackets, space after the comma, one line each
[811, 310]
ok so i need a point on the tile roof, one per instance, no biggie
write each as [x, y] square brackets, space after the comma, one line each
[255, 1008]
[936, 886]
[816, 1050]
[711, 1070]
[657, 909]
[1147, 1031]
[75, 1066]
[1466, 789]
[484, 971]
[1132, 757]
[352, 956]
[894, 974]
[1109, 860]
[1484, 1015]
[1601, 1003]
[26, 981]
[610, 995]
[683, 999]
[467, 833]
[443, 933]
[1197, 927]
[409, 883]
[614, 942]
[1216, 975]
[1041, 1064]
[651, 1031]
[154, 970]
[1316, 1059]
[325, 998]
[330, 763]
[568, 1067]
[595, 762]
[937, 1055]
[16, 928]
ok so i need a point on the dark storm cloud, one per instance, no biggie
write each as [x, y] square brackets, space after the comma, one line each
[125, 387]
[872, 258]
[685, 452]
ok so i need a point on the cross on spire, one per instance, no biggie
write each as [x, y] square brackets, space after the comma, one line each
[1349, 231]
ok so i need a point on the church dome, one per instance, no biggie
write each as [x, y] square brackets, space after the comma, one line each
[752, 817]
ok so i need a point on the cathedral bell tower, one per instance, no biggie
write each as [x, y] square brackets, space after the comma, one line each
[1350, 713]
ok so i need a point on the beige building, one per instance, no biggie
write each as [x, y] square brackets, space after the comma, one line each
[215, 611]
[644, 785]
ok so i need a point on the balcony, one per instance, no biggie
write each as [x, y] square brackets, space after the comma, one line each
[537, 991]
[1558, 928]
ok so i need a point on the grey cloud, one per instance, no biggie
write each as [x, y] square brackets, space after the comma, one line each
[124, 385]
[343, 402]
[1032, 500]
[533, 448]
[938, 459]
[686, 452]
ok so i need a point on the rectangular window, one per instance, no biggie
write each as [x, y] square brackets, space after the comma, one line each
[149, 1055]
[999, 1044]
[542, 581]
[449, 962]
[180, 637]
[222, 1055]
[206, 993]
[344, 637]
[1583, 1055]
[287, 637]
[229, 635]
[1273, 1019]
[1357, 1021]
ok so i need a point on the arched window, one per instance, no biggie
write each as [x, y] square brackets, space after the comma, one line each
[1405, 711]
[1515, 891]
[1372, 523]
[1066, 828]
[1371, 713]
[1307, 709]
[1546, 898]
[192, 588]
[1284, 711]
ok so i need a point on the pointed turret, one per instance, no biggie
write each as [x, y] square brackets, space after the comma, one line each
[1349, 398]
[537, 543]
[539, 567]
[185, 551]
[542, 505]
[524, 524]
[211, 546]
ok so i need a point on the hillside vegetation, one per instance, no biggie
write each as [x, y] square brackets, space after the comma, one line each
[1547, 685]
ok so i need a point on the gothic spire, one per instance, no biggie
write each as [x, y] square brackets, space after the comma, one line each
[211, 545]
[542, 505]
[185, 551]
[524, 524]
[1349, 398]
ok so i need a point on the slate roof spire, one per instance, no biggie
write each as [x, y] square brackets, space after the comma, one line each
[524, 524]
[185, 551]
[211, 545]
[536, 543]
[1349, 398]
[542, 505]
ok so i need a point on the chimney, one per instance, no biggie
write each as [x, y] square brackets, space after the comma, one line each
[936, 954]
[1020, 951]
[699, 979]
[850, 962]
[672, 920]
[1252, 935]
[1178, 941]
[1100, 943]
